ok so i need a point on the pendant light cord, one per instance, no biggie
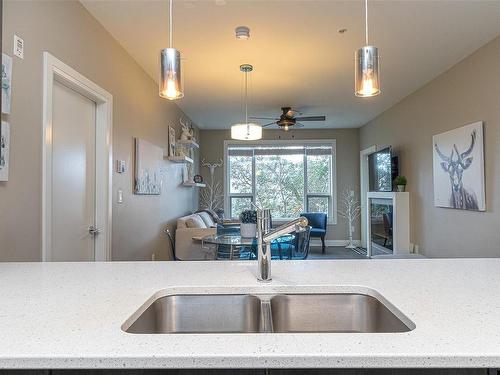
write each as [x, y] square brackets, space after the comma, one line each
[246, 97]
[366, 22]
[170, 25]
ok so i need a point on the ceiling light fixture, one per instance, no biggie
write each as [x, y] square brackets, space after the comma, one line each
[367, 80]
[170, 67]
[247, 131]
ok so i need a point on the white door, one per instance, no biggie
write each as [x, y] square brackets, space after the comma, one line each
[77, 165]
[73, 175]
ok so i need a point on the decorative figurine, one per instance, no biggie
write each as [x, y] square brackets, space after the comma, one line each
[191, 134]
[186, 131]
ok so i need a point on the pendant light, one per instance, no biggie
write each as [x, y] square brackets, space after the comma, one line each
[367, 79]
[170, 67]
[247, 131]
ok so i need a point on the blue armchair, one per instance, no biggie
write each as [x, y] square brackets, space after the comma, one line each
[317, 220]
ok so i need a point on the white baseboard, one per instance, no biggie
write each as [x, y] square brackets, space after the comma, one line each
[316, 242]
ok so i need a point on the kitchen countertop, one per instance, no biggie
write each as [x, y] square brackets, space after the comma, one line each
[69, 315]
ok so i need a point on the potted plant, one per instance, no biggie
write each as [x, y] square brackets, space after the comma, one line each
[400, 182]
[248, 227]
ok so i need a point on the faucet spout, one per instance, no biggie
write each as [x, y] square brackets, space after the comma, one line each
[292, 226]
[265, 236]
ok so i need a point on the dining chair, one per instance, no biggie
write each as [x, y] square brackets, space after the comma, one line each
[300, 248]
[318, 222]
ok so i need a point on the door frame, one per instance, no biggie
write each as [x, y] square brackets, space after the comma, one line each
[56, 70]
[364, 186]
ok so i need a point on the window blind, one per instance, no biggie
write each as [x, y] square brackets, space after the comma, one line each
[280, 150]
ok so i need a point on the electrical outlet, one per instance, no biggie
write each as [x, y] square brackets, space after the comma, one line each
[18, 47]
[153, 257]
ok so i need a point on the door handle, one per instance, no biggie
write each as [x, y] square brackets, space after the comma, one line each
[93, 230]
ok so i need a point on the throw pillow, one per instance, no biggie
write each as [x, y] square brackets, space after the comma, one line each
[206, 219]
[195, 222]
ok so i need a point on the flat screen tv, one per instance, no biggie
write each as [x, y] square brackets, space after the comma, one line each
[382, 169]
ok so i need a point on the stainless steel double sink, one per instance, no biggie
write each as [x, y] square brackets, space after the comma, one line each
[278, 313]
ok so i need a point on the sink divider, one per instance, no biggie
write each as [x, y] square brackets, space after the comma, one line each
[266, 316]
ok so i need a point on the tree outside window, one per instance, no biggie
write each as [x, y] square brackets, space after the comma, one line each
[288, 179]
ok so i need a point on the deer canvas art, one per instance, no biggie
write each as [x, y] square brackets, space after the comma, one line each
[459, 168]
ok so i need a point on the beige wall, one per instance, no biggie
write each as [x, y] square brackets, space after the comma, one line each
[468, 92]
[70, 33]
[212, 149]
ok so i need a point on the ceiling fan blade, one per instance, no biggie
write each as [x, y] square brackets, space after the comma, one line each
[299, 125]
[263, 118]
[311, 118]
[271, 123]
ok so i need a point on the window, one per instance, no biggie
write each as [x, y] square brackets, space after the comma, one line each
[286, 176]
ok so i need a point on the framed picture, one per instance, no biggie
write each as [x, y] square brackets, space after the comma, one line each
[171, 141]
[6, 82]
[148, 159]
[458, 164]
[4, 151]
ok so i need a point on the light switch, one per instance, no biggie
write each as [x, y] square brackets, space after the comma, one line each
[18, 47]
[119, 196]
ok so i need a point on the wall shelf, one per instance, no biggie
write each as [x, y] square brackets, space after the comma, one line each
[187, 144]
[193, 184]
[179, 159]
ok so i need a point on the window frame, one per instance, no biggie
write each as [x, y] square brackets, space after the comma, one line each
[332, 214]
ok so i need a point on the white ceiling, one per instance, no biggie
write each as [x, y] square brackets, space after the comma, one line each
[300, 59]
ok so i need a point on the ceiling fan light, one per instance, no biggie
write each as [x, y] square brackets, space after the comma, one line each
[170, 74]
[246, 132]
[367, 77]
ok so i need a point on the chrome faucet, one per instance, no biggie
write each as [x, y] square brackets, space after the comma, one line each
[265, 236]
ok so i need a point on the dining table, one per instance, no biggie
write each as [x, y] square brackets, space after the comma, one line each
[239, 246]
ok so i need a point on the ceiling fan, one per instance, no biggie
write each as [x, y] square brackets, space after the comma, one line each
[288, 119]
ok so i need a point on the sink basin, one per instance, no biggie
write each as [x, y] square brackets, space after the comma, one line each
[355, 313]
[228, 313]
[281, 313]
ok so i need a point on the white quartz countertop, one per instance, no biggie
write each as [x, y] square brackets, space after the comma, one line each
[69, 315]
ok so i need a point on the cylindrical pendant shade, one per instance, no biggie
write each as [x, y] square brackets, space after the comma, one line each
[170, 74]
[246, 132]
[367, 79]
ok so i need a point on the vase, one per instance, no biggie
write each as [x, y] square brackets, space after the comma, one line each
[401, 188]
[248, 230]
